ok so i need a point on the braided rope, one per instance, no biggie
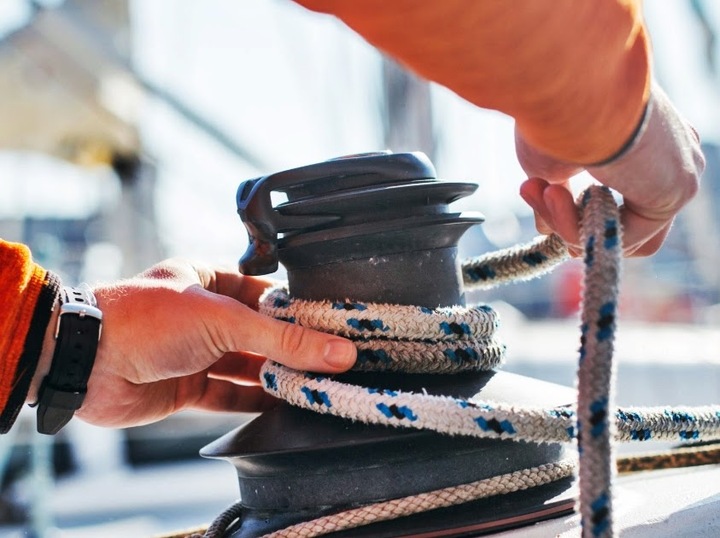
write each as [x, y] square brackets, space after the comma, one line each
[691, 456]
[423, 502]
[484, 419]
[670, 459]
[360, 320]
[400, 338]
[454, 416]
[220, 525]
[407, 338]
[600, 234]
[514, 264]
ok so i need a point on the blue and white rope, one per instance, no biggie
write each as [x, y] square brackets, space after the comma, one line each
[514, 264]
[400, 338]
[484, 419]
[415, 339]
[600, 235]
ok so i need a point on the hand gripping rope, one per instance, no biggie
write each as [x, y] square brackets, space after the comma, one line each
[416, 339]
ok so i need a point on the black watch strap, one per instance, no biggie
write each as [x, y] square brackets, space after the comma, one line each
[77, 335]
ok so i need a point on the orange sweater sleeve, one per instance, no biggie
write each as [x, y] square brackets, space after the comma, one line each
[575, 75]
[27, 294]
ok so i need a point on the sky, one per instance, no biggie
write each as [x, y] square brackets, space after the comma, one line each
[295, 87]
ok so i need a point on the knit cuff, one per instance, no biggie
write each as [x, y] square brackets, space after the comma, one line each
[27, 365]
[662, 166]
[631, 142]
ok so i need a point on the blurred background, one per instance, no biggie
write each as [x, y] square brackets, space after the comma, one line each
[127, 126]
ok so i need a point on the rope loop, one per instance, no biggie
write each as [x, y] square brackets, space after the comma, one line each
[397, 337]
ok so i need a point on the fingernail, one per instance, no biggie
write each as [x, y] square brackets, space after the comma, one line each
[340, 354]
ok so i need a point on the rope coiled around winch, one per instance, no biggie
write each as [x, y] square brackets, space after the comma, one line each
[416, 339]
[432, 500]
[400, 338]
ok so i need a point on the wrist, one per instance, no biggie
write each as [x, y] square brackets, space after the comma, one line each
[46, 355]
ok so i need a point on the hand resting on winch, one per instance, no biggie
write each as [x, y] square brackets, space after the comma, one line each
[185, 336]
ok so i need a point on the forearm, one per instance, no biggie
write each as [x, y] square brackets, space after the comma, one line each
[574, 75]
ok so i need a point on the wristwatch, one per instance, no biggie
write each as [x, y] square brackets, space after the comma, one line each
[77, 335]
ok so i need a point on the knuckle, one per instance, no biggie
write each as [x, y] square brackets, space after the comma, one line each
[694, 183]
[166, 270]
[293, 339]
